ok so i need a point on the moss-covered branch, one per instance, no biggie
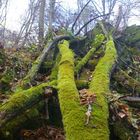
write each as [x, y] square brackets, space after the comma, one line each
[20, 102]
[100, 86]
[68, 95]
[96, 45]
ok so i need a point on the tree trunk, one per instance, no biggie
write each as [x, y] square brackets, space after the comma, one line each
[100, 86]
[41, 22]
[51, 14]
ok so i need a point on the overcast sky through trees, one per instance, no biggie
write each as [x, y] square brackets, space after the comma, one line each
[17, 9]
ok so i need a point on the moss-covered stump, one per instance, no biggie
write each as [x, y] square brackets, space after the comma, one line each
[21, 101]
[95, 46]
[100, 86]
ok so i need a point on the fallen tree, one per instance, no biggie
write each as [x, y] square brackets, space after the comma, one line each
[71, 112]
[100, 86]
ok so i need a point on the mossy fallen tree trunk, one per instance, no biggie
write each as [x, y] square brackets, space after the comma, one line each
[96, 45]
[73, 114]
[100, 86]
[21, 101]
[127, 81]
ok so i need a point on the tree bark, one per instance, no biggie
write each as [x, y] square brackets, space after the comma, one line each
[51, 14]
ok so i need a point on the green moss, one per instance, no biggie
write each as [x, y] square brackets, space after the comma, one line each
[92, 64]
[80, 84]
[97, 42]
[22, 100]
[100, 86]
[73, 113]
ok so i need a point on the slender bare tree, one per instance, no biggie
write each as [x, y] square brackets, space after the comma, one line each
[42, 4]
[51, 14]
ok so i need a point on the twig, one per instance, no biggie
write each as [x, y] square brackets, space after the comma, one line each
[89, 22]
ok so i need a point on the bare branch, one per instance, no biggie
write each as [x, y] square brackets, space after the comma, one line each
[89, 22]
[72, 28]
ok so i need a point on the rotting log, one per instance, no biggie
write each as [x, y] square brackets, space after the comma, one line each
[127, 81]
[21, 101]
[100, 86]
[95, 46]
[132, 101]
